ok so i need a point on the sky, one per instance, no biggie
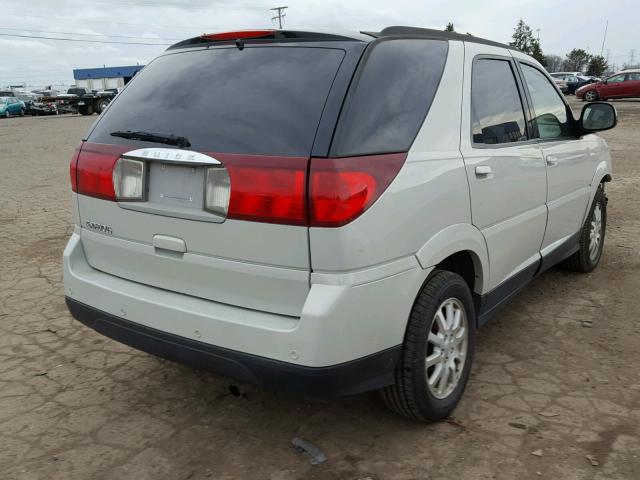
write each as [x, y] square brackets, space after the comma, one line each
[36, 62]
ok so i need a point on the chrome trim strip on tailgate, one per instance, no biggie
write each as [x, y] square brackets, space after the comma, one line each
[172, 155]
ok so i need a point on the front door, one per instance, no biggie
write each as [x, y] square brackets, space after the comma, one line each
[570, 161]
[505, 169]
[613, 87]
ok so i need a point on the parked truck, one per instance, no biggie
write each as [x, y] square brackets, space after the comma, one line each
[83, 101]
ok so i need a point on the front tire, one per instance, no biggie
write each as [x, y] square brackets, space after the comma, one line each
[591, 96]
[437, 351]
[591, 237]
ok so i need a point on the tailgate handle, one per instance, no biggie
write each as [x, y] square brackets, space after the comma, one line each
[166, 242]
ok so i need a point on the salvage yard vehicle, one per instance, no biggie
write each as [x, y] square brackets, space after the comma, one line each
[39, 108]
[330, 214]
[625, 84]
[10, 106]
[83, 101]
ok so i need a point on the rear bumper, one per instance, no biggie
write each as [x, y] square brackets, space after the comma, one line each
[368, 373]
[346, 339]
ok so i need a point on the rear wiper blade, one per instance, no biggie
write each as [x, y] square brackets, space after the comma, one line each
[168, 139]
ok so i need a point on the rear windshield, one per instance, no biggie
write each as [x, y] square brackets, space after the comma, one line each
[259, 100]
[391, 96]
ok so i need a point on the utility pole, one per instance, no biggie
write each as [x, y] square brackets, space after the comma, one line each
[279, 15]
[606, 26]
[538, 32]
[632, 57]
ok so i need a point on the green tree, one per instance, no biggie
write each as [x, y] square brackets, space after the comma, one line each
[577, 59]
[597, 66]
[523, 40]
[449, 27]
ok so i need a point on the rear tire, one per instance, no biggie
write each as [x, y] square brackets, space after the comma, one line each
[101, 105]
[419, 392]
[591, 237]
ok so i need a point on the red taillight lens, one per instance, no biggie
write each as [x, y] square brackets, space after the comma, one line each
[267, 189]
[73, 168]
[94, 170]
[342, 189]
[238, 34]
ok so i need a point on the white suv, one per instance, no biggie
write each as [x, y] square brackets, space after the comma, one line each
[330, 214]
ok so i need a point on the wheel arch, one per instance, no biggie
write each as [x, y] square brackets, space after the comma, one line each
[460, 248]
[601, 175]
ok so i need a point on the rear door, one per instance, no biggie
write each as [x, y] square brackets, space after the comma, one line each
[505, 169]
[632, 84]
[256, 112]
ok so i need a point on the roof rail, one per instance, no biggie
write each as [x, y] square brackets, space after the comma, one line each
[400, 31]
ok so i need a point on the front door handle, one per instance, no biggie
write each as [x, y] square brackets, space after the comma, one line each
[552, 161]
[483, 171]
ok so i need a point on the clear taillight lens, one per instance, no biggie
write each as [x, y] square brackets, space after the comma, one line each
[217, 191]
[128, 179]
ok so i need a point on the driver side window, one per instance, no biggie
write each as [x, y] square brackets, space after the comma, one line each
[616, 79]
[550, 111]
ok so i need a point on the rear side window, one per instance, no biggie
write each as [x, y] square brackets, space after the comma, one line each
[496, 108]
[550, 111]
[390, 97]
[260, 100]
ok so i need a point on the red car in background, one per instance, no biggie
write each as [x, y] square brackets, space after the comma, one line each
[625, 84]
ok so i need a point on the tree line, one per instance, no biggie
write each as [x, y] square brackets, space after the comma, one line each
[577, 60]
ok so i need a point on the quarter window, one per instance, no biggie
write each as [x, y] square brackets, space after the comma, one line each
[496, 108]
[550, 111]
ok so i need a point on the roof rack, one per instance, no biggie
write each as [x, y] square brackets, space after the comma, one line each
[400, 31]
[261, 36]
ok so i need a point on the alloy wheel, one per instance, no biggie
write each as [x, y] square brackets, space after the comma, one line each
[446, 348]
[595, 233]
[591, 96]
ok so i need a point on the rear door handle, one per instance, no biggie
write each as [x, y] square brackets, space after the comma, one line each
[483, 171]
[552, 161]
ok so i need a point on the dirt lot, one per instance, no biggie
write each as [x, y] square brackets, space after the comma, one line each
[557, 373]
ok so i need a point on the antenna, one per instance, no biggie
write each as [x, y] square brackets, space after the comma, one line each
[280, 15]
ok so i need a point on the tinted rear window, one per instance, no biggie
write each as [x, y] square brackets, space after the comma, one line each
[260, 100]
[390, 97]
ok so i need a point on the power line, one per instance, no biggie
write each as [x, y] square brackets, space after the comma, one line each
[85, 34]
[108, 22]
[280, 15]
[82, 40]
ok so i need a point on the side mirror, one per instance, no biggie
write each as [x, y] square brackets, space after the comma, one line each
[598, 116]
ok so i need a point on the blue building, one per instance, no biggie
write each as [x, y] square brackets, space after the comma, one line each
[105, 77]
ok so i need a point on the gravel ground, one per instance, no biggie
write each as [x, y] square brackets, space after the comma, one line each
[556, 380]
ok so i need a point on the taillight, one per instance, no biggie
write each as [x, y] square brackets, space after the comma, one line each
[73, 168]
[267, 189]
[342, 189]
[332, 193]
[94, 174]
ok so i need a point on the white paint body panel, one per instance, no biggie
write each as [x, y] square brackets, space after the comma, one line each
[323, 296]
